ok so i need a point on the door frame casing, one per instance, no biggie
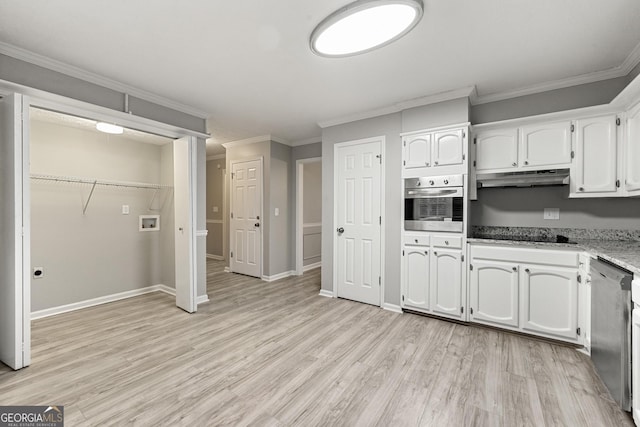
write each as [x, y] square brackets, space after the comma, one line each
[382, 140]
[300, 211]
[231, 235]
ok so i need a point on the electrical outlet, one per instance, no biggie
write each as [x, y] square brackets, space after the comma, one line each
[125, 209]
[551, 213]
[215, 209]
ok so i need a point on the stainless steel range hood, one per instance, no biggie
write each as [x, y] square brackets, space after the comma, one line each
[524, 179]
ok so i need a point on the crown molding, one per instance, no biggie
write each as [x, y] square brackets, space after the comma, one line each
[79, 73]
[400, 106]
[252, 140]
[630, 62]
[217, 157]
[307, 141]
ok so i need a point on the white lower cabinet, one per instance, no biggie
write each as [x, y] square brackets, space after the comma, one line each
[494, 293]
[549, 303]
[415, 283]
[635, 362]
[535, 291]
[432, 276]
[446, 283]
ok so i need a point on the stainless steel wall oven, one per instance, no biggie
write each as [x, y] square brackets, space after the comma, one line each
[434, 203]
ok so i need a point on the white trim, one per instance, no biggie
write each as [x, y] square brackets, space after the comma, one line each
[439, 128]
[279, 276]
[306, 141]
[312, 224]
[202, 233]
[392, 307]
[100, 300]
[227, 269]
[299, 235]
[312, 266]
[382, 140]
[216, 257]
[216, 157]
[74, 107]
[215, 221]
[247, 141]
[326, 293]
[202, 299]
[400, 106]
[79, 73]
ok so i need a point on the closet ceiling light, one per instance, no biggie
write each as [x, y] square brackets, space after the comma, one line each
[365, 25]
[109, 128]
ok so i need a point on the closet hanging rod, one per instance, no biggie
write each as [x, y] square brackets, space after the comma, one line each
[77, 180]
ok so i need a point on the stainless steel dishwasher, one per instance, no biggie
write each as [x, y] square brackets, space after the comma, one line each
[611, 328]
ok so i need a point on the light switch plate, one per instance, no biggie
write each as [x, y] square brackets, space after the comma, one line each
[215, 209]
[125, 209]
[551, 213]
[277, 212]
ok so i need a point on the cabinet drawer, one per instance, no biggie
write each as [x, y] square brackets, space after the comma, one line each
[525, 255]
[447, 242]
[416, 239]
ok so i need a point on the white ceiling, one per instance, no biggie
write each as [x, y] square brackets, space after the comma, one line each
[247, 64]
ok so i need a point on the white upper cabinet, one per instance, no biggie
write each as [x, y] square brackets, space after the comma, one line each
[545, 145]
[415, 277]
[595, 172]
[446, 283]
[435, 152]
[550, 301]
[496, 150]
[448, 148]
[632, 153]
[417, 151]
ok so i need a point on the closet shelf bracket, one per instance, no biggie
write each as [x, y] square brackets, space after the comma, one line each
[93, 187]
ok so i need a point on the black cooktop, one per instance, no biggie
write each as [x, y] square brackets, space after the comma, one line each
[535, 239]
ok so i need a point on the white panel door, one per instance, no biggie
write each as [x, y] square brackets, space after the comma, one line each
[246, 208]
[596, 157]
[357, 214]
[15, 285]
[415, 277]
[494, 293]
[496, 150]
[417, 151]
[549, 301]
[185, 222]
[547, 144]
[448, 148]
[446, 283]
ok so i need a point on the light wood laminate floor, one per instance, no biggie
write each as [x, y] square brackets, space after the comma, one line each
[278, 354]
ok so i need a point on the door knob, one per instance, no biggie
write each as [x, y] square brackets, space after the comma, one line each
[515, 268]
[257, 224]
[340, 230]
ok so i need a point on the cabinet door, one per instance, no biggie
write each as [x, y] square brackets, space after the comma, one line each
[547, 144]
[494, 293]
[446, 283]
[635, 362]
[417, 151]
[549, 301]
[448, 148]
[497, 149]
[632, 152]
[596, 157]
[415, 283]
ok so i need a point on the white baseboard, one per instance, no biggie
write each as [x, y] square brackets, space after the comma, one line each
[392, 307]
[227, 270]
[216, 257]
[109, 298]
[279, 276]
[312, 266]
[95, 301]
[326, 293]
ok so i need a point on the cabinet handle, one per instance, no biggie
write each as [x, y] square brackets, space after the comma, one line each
[427, 164]
[446, 242]
[426, 252]
[435, 163]
[514, 164]
[435, 253]
[515, 268]
[581, 189]
[416, 240]
[526, 162]
[526, 270]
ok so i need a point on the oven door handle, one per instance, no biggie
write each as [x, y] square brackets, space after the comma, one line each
[427, 193]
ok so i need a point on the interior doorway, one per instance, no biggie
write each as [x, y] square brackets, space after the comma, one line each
[308, 214]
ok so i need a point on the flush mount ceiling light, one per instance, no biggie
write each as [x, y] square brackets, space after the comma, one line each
[365, 25]
[109, 128]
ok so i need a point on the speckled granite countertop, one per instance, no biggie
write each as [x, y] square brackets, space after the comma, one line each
[620, 247]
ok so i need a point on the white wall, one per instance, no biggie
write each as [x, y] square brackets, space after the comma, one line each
[312, 213]
[215, 182]
[102, 252]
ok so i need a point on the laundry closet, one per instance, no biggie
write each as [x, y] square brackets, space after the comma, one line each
[102, 213]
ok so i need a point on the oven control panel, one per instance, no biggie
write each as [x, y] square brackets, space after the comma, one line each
[434, 181]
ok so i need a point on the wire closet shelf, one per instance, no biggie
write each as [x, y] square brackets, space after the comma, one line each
[102, 182]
